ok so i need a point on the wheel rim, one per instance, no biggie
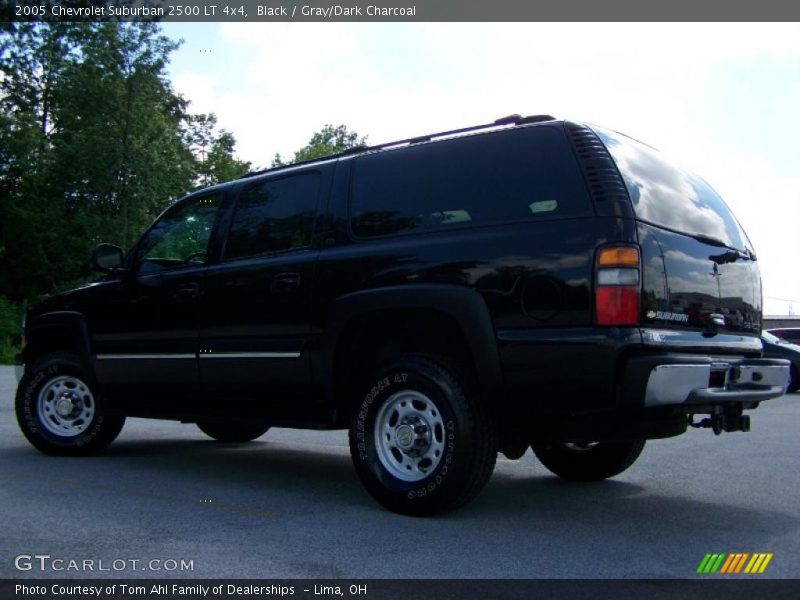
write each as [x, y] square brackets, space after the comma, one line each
[66, 406]
[409, 435]
[580, 446]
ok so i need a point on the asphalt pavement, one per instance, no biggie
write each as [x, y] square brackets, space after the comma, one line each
[289, 505]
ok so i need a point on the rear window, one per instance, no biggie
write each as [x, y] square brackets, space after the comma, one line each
[274, 215]
[668, 196]
[510, 175]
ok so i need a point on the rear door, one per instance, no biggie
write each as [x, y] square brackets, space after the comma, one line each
[697, 260]
[255, 309]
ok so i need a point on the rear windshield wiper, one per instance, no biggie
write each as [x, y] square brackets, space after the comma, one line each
[702, 237]
[728, 257]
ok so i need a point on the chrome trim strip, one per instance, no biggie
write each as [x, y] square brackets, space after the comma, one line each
[250, 355]
[201, 355]
[142, 356]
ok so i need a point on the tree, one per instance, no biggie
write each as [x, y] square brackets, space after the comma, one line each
[33, 58]
[121, 122]
[330, 140]
[213, 151]
[93, 145]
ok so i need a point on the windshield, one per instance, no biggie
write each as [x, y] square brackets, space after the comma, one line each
[772, 339]
[668, 196]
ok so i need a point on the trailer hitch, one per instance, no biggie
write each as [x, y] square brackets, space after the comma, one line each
[723, 418]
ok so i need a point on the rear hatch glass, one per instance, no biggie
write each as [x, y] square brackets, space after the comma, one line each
[697, 260]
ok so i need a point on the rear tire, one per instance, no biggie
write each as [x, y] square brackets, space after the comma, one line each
[420, 440]
[59, 411]
[588, 462]
[233, 433]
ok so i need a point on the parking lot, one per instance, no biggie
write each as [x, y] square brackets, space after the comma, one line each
[289, 505]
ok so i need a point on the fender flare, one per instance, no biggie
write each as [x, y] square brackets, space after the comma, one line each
[466, 306]
[72, 322]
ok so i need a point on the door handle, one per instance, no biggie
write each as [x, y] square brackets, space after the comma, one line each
[190, 291]
[285, 282]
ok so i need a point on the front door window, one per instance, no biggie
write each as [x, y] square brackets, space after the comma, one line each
[180, 238]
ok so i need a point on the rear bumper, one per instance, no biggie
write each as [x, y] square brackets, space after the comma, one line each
[701, 381]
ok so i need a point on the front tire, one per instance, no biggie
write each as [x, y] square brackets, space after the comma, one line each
[234, 433]
[420, 441]
[588, 462]
[58, 409]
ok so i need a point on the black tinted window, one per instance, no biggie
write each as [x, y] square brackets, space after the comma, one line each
[274, 215]
[180, 238]
[788, 334]
[666, 195]
[511, 175]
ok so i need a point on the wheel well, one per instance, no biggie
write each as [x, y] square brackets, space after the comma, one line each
[374, 338]
[46, 340]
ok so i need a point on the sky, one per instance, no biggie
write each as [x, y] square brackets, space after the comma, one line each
[721, 99]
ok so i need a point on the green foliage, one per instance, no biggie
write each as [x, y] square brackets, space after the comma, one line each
[10, 322]
[331, 140]
[214, 151]
[94, 143]
[122, 123]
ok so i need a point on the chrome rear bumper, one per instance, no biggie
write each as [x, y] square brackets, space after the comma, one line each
[738, 380]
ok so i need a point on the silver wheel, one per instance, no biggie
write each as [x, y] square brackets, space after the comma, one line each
[580, 447]
[409, 435]
[66, 406]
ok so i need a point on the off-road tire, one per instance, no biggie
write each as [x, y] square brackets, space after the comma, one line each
[57, 375]
[601, 461]
[459, 426]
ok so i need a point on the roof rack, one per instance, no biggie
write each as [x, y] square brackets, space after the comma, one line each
[509, 120]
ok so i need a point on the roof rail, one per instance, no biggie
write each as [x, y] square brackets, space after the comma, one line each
[509, 120]
[299, 162]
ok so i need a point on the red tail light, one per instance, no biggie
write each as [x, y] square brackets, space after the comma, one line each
[617, 287]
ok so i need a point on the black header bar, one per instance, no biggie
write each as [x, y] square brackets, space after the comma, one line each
[370, 589]
[398, 10]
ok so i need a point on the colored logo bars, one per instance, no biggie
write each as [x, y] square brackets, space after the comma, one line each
[734, 562]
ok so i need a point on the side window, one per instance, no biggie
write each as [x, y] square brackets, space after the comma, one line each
[510, 175]
[180, 237]
[274, 215]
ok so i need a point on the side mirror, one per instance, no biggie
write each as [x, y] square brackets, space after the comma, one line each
[107, 258]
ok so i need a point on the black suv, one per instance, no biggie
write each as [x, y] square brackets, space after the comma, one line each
[527, 283]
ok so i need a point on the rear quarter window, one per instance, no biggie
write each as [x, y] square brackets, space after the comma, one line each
[510, 175]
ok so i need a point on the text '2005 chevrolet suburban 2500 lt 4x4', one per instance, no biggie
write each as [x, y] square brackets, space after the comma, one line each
[532, 282]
